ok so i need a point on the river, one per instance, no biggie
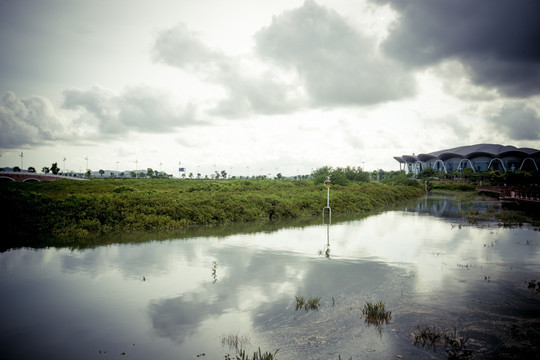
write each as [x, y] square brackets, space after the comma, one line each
[207, 295]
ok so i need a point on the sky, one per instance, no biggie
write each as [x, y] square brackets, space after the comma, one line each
[258, 87]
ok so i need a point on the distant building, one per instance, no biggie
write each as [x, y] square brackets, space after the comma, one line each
[478, 157]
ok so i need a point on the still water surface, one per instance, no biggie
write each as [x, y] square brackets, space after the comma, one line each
[180, 298]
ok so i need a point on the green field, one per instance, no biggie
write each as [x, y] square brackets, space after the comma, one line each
[64, 212]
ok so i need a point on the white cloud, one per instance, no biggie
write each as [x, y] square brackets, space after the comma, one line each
[137, 109]
[338, 64]
[180, 47]
[307, 83]
[29, 121]
[249, 87]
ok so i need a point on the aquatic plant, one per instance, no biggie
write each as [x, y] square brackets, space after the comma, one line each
[428, 336]
[534, 286]
[325, 252]
[256, 355]
[510, 219]
[312, 303]
[376, 313]
[455, 346]
[472, 216]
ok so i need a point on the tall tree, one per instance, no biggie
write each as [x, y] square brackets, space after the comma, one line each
[55, 169]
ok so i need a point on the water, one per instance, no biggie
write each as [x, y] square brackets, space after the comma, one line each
[183, 298]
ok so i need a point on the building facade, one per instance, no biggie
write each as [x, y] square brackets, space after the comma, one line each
[479, 157]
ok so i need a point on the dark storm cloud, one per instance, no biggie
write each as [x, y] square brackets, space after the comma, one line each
[518, 121]
[28, 121]
[137, 109]
[337, 63]
[496, 40]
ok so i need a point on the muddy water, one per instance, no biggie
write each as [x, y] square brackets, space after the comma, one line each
[183, 298]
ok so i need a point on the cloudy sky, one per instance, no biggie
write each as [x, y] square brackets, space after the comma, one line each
[260, 87]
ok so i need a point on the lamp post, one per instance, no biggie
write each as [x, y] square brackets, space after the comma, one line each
[327, 184]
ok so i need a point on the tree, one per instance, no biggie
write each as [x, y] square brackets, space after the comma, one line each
[467, 173]
[16, 169]
[101, 172]
[88, 173]
[32, 169]
[223, 174]
[54, 168]
[191, 175]
[45, 170]
[337, 176]
[279, 176]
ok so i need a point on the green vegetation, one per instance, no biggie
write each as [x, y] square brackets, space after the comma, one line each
[376, 313]
[490, 177]
[64, 212]
[312, 303]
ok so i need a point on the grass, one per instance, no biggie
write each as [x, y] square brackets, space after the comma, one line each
[64, 213]
[376, 313]
[256, 355]
[511, 219]
[311, 303]
[454, 345]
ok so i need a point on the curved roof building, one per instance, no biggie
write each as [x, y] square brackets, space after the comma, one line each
[479, 157]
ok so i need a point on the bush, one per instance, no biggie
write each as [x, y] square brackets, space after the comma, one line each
[77, 209]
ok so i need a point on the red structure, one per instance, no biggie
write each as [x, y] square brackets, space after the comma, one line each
[513, 194]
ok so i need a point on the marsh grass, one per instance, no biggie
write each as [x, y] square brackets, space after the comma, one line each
[511, 219]
[534, 286]
[257, 355]
[376, 313]
[454, 345]
[63, 213]
[312, 303]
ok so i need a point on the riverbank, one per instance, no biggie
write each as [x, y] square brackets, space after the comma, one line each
[63, 212]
